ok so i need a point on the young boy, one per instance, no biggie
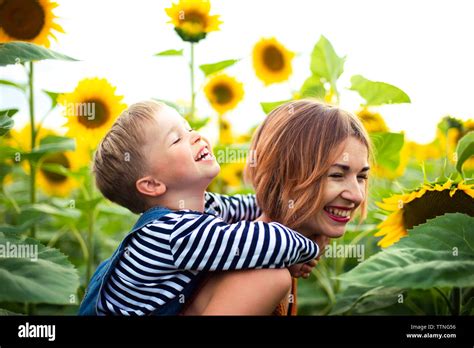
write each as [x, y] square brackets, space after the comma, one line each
[152, 162]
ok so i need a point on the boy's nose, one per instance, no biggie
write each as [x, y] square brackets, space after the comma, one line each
[195, 137]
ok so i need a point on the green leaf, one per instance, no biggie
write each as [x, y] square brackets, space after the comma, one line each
[170, 104]
[199, 123]
[464, 150]
[6, 123]
[21, 52]
[313, 87]
[51, 144]
[42, 275]
[378, 93]
[53, 96]
[325, 62]
[88, 205]
[170, 53]
[209, 69]
[8, 152]
[20, 86]
[25, 225]
[387, 148]
[269, 106]
[361, 300]
[8, 112]
[438, 253]
[4, 312]
[65, 212]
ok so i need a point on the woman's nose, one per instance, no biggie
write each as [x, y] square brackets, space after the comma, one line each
[354, 192]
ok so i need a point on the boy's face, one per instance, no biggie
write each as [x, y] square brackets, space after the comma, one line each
[177, 155]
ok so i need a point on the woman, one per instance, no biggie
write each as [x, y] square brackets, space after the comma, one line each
[309, 170]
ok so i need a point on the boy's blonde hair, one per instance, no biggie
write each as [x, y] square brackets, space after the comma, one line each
[293, 150]
[119, 160]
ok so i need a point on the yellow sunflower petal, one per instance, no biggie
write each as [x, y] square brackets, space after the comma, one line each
[272, 61]
[91, 109]
[223, 92]
[468, 189]
[192, 20]
[427, 202]
[372, 121]
[28, 20]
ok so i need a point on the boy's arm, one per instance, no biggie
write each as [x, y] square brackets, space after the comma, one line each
[207, 243]
[233, 208]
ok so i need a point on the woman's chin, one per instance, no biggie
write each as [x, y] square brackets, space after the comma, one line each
[334, 232]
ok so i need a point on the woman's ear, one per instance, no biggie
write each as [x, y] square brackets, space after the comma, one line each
[149, 186]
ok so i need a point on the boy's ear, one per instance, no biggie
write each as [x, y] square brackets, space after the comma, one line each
[149, 186]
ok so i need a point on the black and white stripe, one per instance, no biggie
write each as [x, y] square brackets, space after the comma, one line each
[164, 256]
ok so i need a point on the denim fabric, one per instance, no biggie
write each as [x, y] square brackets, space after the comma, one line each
[101, 275]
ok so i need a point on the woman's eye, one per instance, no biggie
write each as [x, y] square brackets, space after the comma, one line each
[336, 175]
[363, 177]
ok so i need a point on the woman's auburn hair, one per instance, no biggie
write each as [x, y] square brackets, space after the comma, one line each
[291, 154]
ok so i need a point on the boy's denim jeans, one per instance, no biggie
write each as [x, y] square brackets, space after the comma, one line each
[105, 269]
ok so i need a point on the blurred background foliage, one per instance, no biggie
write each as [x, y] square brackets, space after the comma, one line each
[417, 239]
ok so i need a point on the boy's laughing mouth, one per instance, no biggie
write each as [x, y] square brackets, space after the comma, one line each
[204, 155]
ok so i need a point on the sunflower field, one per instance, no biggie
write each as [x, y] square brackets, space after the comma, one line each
[412, 255]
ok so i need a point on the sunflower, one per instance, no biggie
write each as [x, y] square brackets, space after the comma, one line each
[21, 139]
[225, 131]
[372, 121]
[191, 19]
[50, 182]
[383, 172]
[223, 92]
[272, 61]
[91, 110]
[414, 208]
[28, 20]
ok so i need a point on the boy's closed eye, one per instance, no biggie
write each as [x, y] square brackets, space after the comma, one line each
[179, 137]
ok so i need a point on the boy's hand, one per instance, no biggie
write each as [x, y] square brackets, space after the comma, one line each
[302, 269]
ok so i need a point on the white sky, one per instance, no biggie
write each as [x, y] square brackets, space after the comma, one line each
[420, 46]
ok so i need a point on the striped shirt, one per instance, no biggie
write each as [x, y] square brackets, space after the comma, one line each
[165, 255]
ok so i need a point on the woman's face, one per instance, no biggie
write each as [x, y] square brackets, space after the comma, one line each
[343, 191]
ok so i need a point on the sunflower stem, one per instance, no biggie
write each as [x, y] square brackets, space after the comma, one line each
[457, 299]
[90, 232]
[30, 308]
[31, 104]
[445, 298]
[193, 93]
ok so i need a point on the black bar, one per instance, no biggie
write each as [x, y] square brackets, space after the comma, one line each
[237, 330]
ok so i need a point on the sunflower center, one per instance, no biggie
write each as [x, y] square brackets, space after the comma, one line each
[222, 93]
[273, 58]
[21, 19]
[194, 17]
[97, 117]
[57, 158]
[224, 126]
[436, 203]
